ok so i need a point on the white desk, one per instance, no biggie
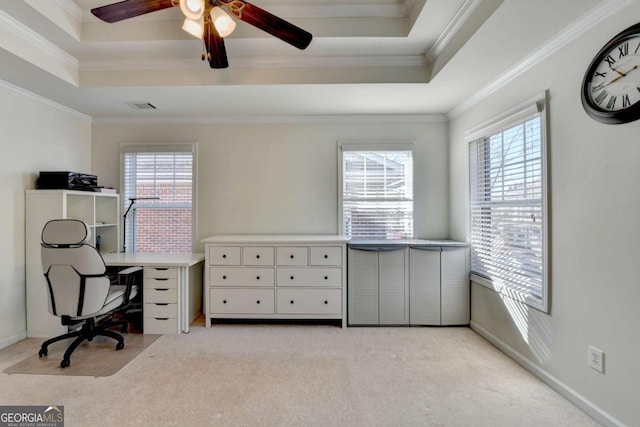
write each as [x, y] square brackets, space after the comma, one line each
[189, 283]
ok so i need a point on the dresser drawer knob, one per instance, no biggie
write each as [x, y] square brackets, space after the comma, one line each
[291, 277]
[224, 301]
[291, 256]
[224, 277]
[257, 277]
[326, 302]
[326, 277]
[224, 255]
[291, 301]
[258, 256]
[326, 256]
[258, 302]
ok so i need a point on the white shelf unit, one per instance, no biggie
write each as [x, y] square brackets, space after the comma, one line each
[275, 277]
[101, 213]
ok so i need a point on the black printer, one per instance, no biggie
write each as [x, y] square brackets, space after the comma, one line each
[66, 181]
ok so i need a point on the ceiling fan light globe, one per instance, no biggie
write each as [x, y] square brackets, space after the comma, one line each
[192, 9]
[195, 27]
[222, 21]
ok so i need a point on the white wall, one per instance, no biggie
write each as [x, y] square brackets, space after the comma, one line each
[595, 226]
[35, 136]
[282, 178]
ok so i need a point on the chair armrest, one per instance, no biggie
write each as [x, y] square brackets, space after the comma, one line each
[129, 280]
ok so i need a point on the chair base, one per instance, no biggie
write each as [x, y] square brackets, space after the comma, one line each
[88, 331]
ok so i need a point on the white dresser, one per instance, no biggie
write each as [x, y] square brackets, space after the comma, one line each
[275, 277]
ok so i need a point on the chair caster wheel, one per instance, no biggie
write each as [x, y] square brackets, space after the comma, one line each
[43, 352]
[123, 329]
[65, 363]
[120, 346]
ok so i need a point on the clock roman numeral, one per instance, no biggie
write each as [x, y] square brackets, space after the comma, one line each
[623, 50]
[625, 101]
[638, 47]
[597, 87]
[610, 60]
[612, 103]
[603, 75]
[601, 97]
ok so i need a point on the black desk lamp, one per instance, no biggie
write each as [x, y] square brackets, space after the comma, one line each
[132, 201]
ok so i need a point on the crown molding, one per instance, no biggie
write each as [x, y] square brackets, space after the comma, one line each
[102, 64]
[302, 119]
[598, 14]
[292, 10]
[16, 89]
[456, 23]
[24, 43]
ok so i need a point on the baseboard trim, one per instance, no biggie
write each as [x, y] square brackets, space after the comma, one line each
[567, 392]
[6, 342]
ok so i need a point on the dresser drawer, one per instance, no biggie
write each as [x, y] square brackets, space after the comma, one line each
[224, 255]
[309, 301]
[326, 255]
[241, 301]
[162, 325]
[152, 282]
[257, 255]
[235, 276]
[161, 310]
[160, 295]
[312, 276]
[160, 273]
[292, 255]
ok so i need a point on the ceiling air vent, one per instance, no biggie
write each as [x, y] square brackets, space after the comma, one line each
[141, 105]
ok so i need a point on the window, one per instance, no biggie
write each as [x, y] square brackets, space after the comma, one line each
[377, 190]
[161, 180]
[508, 220]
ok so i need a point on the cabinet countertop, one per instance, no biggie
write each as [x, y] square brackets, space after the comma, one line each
[408, 242]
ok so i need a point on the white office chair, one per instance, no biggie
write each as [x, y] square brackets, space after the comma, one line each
[79, 289]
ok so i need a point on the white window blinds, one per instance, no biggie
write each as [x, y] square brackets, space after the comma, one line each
[377, 194]
[507, 209]
[161, 217]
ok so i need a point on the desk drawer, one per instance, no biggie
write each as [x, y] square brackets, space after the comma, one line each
[154, 325]
[257, 255]
[292, 255]
[160, 295]
[241, 301]
[160, 273]
[312, 276]
[309, 301]
[161, 310]
[326, 255]
[224, 255]
[160, 283]
[232, 276]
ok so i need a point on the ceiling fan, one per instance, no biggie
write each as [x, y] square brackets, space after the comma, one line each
[207, 20]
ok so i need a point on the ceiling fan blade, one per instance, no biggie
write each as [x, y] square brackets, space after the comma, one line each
[129, 8]
[216, 52]
[270, 23]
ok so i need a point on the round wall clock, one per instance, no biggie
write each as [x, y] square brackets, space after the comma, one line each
[611, 85]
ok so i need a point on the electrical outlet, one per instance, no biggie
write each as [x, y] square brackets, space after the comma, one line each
[596, 359]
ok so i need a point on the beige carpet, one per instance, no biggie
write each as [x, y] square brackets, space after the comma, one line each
[94, 359]
[302, 375]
